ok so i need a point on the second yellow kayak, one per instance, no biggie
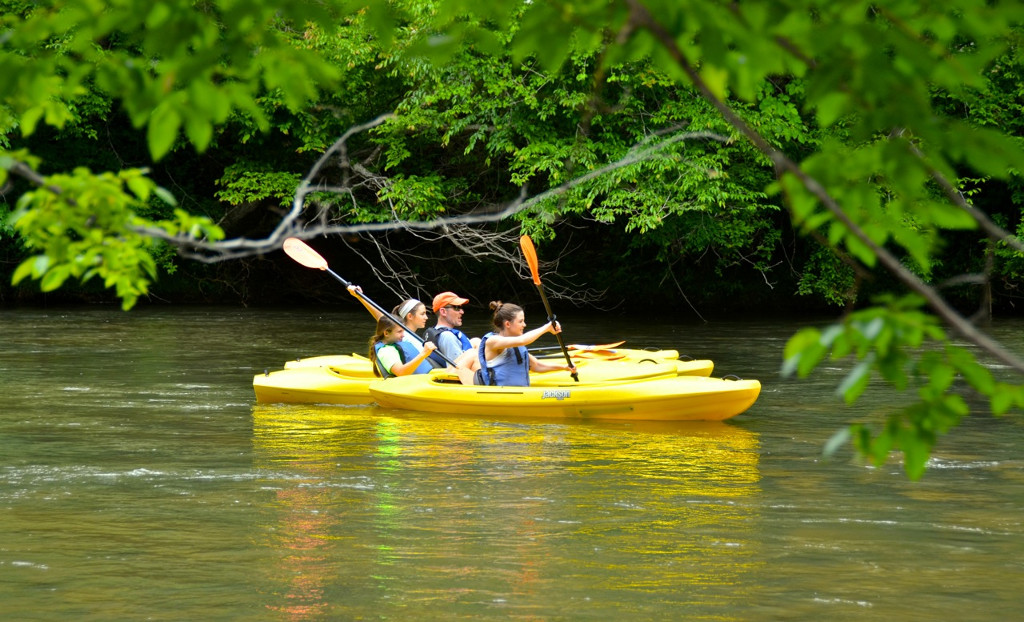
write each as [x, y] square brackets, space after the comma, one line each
[578, 353]
[347, 381]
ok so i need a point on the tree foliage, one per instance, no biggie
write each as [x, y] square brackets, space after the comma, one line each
[888, 134]
[173, 68]
[881, 182]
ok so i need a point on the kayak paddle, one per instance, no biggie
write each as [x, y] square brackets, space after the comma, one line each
[600, 347]
[531, 260]
[305, 255]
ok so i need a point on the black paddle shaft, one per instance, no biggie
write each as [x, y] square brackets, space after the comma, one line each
[558, 336]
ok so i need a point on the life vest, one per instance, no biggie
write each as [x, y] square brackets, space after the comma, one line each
[409, 352]
[433, 335]
[418, 347]
[376, 357]
[510, 369]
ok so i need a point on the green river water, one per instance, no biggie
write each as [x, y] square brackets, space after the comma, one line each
[140, 481]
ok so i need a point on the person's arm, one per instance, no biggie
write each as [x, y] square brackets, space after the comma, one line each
[537, 366]
[406, 368]
[500, 342]
[357, 291]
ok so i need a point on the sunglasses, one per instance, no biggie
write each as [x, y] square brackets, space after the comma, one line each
[454, 307]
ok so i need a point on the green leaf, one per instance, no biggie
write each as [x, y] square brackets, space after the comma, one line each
[809, 359]
[381, 20]
[199, 131]
[163, 130]
[55, 278]
[860, 250]
[915, 455]
[989, 151]
[799, 341]
[830, 334]
[29, 119]
[158, 14]
[24, 270]
[1003, 398]
[830, 107]
[893, 369]
[940, 377]
[872, 329]
[977, 376]
[803, 352]
[949, 216]
[140, 187]
[165, 195]
[837, 440]
[717, 80]
[40, 264]
[879, 447]
[789, 365]
[856, 381]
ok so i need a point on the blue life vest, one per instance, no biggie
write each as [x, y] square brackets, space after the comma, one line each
[376, 357]
[433, 335]
[513, 371]
[410, 352]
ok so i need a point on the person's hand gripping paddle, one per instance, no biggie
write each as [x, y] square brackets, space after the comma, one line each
[531, 260]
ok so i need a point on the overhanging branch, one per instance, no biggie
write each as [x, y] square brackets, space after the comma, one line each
[642, 17]
[293, 224]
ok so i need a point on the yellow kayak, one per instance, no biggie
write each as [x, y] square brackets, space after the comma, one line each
[348, 381]
[662, 398]
[359, 367]
[313, 385]
[347, 361]
[356, 365]
[578, 353]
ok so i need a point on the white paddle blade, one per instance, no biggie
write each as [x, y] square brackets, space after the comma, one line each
[304, 254]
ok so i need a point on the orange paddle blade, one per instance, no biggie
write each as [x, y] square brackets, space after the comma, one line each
[531, 257]
[304, 254]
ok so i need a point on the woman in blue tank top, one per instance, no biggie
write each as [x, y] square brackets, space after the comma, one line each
[389, 354]
[503, 357]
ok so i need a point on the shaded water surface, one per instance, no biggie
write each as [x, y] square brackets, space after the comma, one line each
[139, 480]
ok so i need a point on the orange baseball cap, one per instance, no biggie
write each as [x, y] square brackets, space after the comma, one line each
[447, 298]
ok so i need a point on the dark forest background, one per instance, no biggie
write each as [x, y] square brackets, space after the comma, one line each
[691, 229]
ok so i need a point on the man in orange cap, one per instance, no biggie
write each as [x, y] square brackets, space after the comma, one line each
[450, 341]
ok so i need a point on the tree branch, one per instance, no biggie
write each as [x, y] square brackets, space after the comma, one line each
[783, 164]
[293, 225]
[994, 231]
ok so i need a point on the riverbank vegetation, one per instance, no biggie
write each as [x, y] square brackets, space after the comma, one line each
[708, 157]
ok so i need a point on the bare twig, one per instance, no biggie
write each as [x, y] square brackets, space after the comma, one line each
[293, 225]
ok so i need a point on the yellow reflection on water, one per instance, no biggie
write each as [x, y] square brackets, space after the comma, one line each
[373, 508]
